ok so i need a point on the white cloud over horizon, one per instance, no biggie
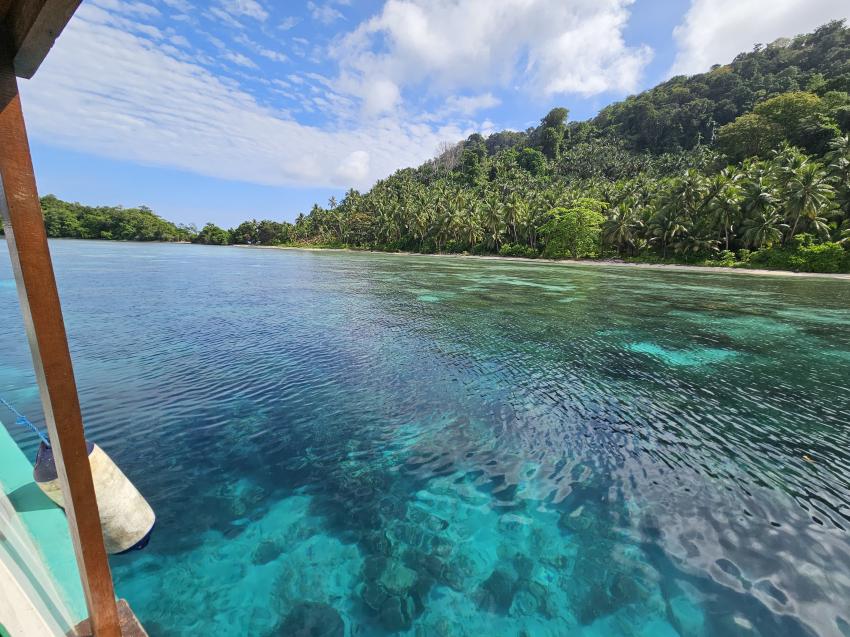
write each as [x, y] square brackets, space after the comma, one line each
[123, 97]
[715, 31]
[128, 93]
[548, 47]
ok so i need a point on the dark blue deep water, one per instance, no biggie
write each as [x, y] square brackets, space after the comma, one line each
[365, 445]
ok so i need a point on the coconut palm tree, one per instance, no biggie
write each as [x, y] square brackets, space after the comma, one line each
[764, 229]
[512, 212]
[494, 221]
[693, 245]
[808, 194]
[725, 204]
[839, 167]
[619, 228]
[666, 226]
[468, 223]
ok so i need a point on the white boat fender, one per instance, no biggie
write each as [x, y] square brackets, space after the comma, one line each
[125, 516]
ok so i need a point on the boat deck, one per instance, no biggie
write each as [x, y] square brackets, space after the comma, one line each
[40, 591]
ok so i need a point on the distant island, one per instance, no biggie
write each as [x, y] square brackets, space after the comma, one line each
[746, 165]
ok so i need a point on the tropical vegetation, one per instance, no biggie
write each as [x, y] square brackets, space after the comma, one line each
[74, 220]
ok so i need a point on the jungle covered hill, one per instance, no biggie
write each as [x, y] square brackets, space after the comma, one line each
[748, 164]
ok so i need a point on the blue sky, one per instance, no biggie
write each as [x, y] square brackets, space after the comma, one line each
[230, 109]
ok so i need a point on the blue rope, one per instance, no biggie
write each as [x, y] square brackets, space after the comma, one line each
[23, 421]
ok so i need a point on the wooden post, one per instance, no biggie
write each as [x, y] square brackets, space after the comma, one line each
[25, 234]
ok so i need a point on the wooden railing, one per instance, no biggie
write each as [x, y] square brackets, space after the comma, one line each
[27, 31]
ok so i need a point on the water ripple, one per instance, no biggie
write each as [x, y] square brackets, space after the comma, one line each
[450, 447]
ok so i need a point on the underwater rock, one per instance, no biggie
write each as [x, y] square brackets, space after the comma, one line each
[397, 613]
[420, 591]
[458, 571]
[452, 576]
[609, 592]
[373, 567]
[441, 627]
[496, 594]
[433, 565]
[544, 603]
[524, 603]
[441, 547]
[373, 596]
[578, 521]
[593, 604]
[557, 561]
[687, 617]
[311, 619]
[523, 565]
[427, 520]
[511, 523]
[243, 497]
[377, 542]
[397, 578]
[411, 534]
[267, 551]
[626, 589]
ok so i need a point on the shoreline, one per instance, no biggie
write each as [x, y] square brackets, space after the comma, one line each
[675, 267]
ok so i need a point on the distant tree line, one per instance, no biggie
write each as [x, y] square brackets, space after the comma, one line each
[77, 221]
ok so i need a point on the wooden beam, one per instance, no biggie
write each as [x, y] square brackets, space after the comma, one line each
[130, 625]
[4, 6]
[39, 300]
[34, 26]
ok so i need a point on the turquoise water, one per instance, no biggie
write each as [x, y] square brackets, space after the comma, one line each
[366, 445]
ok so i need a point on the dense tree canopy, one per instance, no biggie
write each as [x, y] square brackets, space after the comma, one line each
[64, 219]
[685, 112]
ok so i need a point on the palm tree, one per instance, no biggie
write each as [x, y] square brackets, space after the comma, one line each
[844, 230]
[764, 230]
[725, 204]
[808, 193]
[512, 212]
[493, 210]
[691, 192]
[839, 168]
[667, 226]
[619, 227]
[469, 225]
[839, 158]
[691, 244]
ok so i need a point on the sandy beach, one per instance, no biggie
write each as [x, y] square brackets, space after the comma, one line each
[581, 263]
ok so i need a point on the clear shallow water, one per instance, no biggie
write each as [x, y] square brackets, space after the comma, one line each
[419, 446]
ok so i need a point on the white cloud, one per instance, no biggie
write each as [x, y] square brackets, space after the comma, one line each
[468, 105]
[381, 95]
[224, 17]
[547, 46]
[179, 5]
[355, 167]
[139, 9]
[276, 56]
[130, 94]
[259, 49]
[124, 97]
[288, 23]
[715, 31]
[324, 13]
[248, 8]
[238, 58]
